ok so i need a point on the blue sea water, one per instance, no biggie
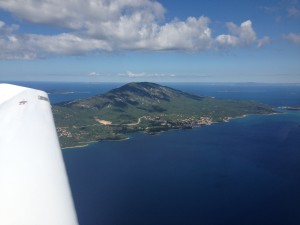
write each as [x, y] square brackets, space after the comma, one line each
[245, 172]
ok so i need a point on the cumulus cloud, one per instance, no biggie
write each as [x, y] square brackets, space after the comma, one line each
[239, 35]
[78, 14]
[11, 46]
[192, 34]
[67, 44]
[30, 46]
[245, 31]
[101, 25]
[227, 40]
[292, 37]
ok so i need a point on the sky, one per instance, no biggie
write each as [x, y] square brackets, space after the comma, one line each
[147, 40]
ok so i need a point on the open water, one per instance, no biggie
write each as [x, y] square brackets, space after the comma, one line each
[245, 172]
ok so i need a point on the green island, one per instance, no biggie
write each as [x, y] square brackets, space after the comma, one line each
[146, 107]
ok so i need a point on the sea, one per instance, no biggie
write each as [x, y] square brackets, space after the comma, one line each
[243, 172]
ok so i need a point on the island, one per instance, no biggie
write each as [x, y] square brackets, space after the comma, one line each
[60, 92]
[295, 108]
[145, 107]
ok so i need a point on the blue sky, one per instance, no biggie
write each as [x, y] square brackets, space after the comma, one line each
[144, 40]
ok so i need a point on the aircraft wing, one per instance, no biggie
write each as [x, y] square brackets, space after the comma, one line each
[34, 188]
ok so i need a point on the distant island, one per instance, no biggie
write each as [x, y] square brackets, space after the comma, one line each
[59, 92]
[290, 107]
[146, 107]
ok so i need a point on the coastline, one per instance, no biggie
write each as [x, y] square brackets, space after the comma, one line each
[90, 142]
[85, 144]
[246, 115]
[77, 146]
[180, 128]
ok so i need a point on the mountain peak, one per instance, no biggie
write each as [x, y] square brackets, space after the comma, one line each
[141, 94]
[143, 89]
[147, 92]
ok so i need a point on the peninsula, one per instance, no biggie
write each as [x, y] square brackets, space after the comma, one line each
[146, 107]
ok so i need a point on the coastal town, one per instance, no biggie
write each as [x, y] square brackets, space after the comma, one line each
[148, 124]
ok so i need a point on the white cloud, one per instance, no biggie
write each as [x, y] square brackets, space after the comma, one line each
[227, 40]
[245, 32]
[292, 37]
[94, 74]
[11, 46]
[192, 34]
[6, 30]
[263, 41]
[239, 35]
[78, 14]
[94, 26]
[32, 46]
[66, 44]
[131, 74]
[140, 32]
[2, 24]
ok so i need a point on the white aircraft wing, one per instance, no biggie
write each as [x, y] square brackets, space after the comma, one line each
[34, 188]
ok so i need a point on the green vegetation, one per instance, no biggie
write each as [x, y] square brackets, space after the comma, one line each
[144, 107]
